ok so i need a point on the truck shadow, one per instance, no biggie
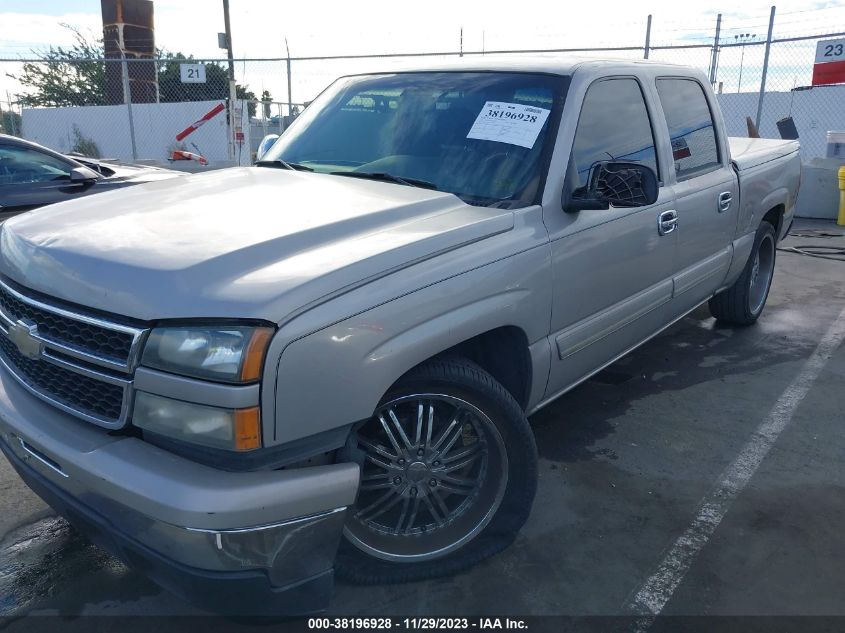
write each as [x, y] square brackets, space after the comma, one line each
[694, 351]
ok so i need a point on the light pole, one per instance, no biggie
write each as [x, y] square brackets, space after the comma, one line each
[233, 93]
[742, 38]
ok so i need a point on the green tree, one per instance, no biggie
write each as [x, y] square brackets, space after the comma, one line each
[67, 77]
[266, 98]
[75, 76]
[10, 123]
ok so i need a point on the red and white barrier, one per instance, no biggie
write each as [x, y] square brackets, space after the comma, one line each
[198, 124]
[179, 154]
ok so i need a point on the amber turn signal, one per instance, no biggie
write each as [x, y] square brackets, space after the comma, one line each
[254, 356]
[247, 429]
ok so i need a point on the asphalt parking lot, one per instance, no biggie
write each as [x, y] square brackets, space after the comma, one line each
[627, 460]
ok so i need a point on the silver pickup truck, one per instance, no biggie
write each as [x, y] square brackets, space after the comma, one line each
[247, 381]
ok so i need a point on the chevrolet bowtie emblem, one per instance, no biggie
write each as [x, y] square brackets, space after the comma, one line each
[23, 334]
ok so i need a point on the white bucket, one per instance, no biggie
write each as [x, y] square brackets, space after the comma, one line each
[836, 144]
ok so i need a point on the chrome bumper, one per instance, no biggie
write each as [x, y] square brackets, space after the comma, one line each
[287, 552]
[282, 526]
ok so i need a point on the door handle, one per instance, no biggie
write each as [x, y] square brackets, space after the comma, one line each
[667, 222]
[725, 199]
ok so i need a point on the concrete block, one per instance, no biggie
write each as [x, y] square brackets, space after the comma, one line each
[819, 194]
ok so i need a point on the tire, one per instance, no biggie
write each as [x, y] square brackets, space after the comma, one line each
[743, 302]
[485, 443]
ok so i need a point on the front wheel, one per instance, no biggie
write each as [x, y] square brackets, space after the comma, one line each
[743, 302]
[448, 476]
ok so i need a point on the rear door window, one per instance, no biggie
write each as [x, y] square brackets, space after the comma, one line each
[691, 128]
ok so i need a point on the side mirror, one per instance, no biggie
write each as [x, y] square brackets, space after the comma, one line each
[617, 183]
[265, 144]
[83, 174]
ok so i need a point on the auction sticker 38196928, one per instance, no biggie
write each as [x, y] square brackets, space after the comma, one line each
[512, 123]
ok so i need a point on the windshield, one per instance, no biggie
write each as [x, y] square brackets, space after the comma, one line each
[483, 136]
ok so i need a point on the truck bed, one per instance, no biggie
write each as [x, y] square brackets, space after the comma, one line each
[750, 152]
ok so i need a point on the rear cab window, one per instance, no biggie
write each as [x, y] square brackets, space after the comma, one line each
[691, 129]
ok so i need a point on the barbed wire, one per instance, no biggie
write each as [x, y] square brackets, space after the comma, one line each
[739, 69]
[724, 43]
[661, 29]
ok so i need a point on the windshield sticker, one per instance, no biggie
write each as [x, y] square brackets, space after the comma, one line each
[511, 123]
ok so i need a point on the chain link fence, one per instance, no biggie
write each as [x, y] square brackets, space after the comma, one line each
[198, 114]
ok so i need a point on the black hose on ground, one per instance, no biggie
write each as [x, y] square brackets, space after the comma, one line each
[836, 253]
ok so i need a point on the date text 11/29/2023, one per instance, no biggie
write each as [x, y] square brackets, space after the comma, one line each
[413, 624]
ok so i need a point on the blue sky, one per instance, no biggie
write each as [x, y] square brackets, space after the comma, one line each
[51, 7]
[376, 26]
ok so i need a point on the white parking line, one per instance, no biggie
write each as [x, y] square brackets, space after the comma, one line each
[656, 591]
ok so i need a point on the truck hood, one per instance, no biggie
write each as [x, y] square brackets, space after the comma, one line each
[237, 243]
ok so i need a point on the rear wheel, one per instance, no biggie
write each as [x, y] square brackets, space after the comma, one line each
[448, 475]
[743, 302]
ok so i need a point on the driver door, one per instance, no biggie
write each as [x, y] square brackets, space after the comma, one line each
[612, 268]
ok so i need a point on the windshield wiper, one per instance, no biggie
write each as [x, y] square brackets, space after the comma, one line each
[380, 175]
[282, 164]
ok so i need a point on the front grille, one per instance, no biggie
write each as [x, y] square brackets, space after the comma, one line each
[75, 391]
[83, 336]
[82, 363]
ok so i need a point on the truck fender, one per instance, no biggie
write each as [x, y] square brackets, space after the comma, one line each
[337, 375]
[743, 244]
[778, 197]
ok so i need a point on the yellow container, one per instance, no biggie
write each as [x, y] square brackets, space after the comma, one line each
[841, 220]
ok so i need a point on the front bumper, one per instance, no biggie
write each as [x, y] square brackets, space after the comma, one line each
[260, 543]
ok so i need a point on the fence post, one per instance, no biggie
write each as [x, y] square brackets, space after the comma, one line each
[127, 98]
[233, 124]
[647, 37]
[15, 131]
[714, 59]
[765, 69]
[265, 113]
[290, 99]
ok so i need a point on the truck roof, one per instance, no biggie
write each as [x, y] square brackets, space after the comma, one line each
[547, 63]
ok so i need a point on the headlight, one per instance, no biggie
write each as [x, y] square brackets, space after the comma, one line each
[224, 353]
[231, 429]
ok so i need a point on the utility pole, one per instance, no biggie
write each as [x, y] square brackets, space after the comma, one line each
[765, 68]
[228, 26]
[127, 98]
[290, 99]
[714, 60]
[647, 37]
[232, 90]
